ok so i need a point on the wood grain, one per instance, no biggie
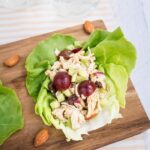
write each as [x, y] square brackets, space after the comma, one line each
[134, 122]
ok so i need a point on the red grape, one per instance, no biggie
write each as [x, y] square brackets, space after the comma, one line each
[62, 81]
[76, 50]
[73, 99]
[86, 88]
[65, 54]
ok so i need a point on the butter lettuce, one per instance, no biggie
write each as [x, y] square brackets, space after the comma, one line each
[41, 58]
[119, 77]
[11, 118]
[115, 56]
[42, 107]
[117, 50]
[96, 37]
[110, 111]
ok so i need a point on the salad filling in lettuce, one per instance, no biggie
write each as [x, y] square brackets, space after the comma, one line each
[80, 86]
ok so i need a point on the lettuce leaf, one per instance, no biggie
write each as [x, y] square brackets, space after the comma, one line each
[41, 58]
[95, 38]
[116, 49]
[115, 56]
[119, 77]
[11, 118]
[42, 107]
[109, 112]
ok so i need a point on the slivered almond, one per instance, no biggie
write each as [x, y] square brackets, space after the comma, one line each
[41, 137]
[88, 26]
[12, 60]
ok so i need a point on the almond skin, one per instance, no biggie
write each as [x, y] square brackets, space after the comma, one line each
[12, 60]
[41, 137]
[88, 27]
[90, 117]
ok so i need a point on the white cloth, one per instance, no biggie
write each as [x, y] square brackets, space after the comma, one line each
[131, 15]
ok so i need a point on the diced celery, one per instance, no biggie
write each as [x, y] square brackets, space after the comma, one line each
[70, 47]
[74, 76]
[67, 93]
[68, 123]
[85, 62]
[82, 73]
[78, 43]
[72, 71]
[54, 104]
[80, 78]
[60, 96]
[102, 90]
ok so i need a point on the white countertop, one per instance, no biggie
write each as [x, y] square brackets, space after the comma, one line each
[132, 15]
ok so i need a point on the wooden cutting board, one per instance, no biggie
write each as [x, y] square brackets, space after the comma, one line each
[134, 122]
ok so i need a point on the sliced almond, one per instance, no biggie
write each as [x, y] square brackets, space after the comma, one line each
[41, 137]
[12, 60]
[88, 27]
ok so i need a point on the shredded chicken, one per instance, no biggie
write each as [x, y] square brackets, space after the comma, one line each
[69, 111]
[85, 107]
[78, 105]
[58, 112]
[93, 103]
[82, 102]
[75, 63]
[77, 119]
[76, 89]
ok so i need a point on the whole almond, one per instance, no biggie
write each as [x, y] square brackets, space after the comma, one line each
[88, 26]
[41, 137]
[12, 60]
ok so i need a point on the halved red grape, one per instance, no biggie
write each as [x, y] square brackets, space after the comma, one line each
[76, 50]
[62, 81]
[73, 99]
[86, 88]
[65, 54]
